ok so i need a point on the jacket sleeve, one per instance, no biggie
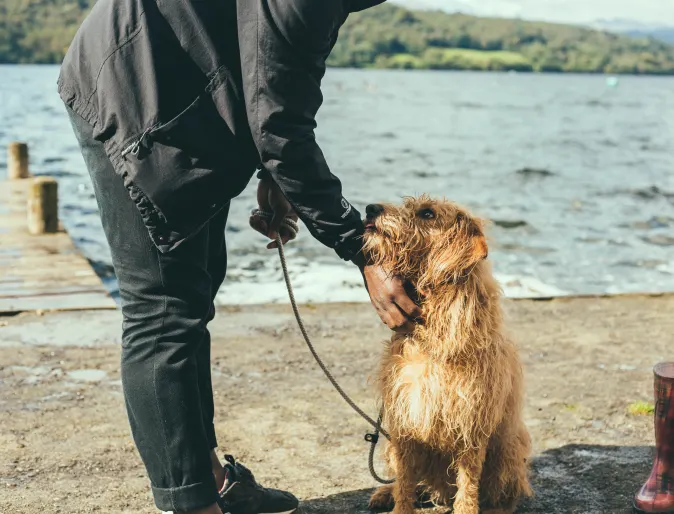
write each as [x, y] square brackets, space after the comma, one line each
[284, 45]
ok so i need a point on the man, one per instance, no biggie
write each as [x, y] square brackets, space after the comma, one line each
[175, 104]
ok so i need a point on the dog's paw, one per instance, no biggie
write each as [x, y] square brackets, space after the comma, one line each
[399, 509]
[382, 499]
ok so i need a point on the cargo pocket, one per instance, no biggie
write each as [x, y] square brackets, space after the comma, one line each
[179, 171]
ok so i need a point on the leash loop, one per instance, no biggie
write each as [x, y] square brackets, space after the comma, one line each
[372, 438]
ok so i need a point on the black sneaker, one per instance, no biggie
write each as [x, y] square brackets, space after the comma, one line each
[243, 495]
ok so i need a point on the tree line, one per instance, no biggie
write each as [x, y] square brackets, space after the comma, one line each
[39, 31]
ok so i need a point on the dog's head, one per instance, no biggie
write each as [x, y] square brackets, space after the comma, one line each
[430, 242]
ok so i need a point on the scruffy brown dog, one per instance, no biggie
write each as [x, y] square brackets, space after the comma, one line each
[452, 390]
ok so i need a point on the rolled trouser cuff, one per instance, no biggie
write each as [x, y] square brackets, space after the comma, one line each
[186, 498]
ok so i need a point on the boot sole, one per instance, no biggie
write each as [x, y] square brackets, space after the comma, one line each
[637, 510]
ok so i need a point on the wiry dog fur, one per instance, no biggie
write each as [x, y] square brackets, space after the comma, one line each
[452, 389]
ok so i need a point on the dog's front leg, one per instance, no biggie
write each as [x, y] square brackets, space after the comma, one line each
[404, 494]
[468, 473]
[405, 486]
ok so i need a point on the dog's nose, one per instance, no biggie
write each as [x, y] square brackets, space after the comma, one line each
[373, 210]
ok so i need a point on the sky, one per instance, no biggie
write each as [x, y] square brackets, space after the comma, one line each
[652, 12]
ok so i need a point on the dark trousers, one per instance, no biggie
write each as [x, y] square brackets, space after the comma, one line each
[167, 302]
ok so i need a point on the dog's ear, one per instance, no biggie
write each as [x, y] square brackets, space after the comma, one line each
[455, 259]
[477, 242]
[480, 249]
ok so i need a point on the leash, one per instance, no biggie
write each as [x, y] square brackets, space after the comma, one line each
[372, 438]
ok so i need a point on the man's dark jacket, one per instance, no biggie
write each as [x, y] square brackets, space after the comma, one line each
[190, 97]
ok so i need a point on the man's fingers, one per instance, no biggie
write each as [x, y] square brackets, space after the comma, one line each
[386, 318]
[391, 315]
[391, 300]
[400, 322]
[263, 195]
[275, 224]
[407, 306]
[286, 235]
[381, 311]
[406, 328]
[259, 224]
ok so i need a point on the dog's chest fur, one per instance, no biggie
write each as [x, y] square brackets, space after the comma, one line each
[439, 403]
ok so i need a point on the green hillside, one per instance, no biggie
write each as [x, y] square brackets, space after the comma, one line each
[38, 31]
[388, 36]
[394, 37]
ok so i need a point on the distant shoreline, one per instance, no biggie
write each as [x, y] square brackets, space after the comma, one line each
[524, 72]
[453, 70]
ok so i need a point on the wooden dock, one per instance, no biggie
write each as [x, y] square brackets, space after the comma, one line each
[44, 271]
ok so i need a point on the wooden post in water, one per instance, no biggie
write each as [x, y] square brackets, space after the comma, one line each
[17, 161]
[43, 206]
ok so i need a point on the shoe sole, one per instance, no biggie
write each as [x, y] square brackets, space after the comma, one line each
[284, 512]
[637, 510]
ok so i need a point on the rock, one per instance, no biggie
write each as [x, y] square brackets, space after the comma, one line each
[654, 222]
[642, 263]
[424, 174]
[52, 160]
[659, 240]
[534, 172]
[510, 223]
[661, 222]
[652, 193]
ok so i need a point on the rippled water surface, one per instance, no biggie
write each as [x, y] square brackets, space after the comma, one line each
[577, 176]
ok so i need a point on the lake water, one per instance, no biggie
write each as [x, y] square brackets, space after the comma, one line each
[576, 173]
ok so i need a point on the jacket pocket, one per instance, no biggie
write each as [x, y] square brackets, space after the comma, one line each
[183, 171]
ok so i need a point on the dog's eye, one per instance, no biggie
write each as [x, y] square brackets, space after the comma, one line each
[427, 214]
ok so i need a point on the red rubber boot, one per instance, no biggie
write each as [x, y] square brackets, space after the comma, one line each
[657, 494]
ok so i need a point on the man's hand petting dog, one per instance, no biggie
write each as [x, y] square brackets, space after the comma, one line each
[391, 299]
[388, 293]
[271, 199]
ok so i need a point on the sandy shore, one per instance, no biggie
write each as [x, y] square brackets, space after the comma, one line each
[65, 446]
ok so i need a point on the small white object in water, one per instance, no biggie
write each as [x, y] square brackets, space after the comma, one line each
[611, 81]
